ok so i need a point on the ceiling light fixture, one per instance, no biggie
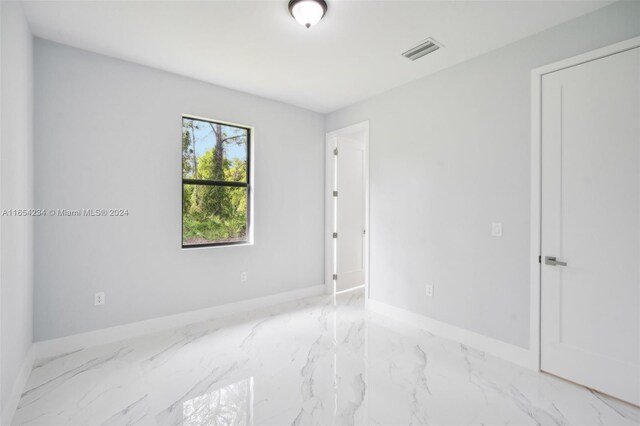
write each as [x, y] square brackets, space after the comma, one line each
[307, 12]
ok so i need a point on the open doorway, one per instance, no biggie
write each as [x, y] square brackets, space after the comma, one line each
[347, 209]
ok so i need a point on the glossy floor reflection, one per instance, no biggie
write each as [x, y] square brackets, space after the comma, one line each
[311, 362]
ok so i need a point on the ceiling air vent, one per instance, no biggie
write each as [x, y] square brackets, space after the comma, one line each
[424, 48]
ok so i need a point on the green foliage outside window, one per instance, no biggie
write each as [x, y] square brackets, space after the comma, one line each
[214, 211]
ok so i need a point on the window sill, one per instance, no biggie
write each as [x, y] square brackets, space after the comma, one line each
[217, 246]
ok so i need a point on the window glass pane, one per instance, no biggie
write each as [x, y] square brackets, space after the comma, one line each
[213, 151]
[213, 214]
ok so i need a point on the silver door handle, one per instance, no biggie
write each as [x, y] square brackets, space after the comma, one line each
[551, 260]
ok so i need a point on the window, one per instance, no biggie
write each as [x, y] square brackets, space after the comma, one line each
[215, 183]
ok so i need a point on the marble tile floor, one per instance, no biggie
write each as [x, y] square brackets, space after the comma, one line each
[318, 361]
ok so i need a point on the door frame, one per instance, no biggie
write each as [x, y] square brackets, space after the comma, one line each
[361, 128]
[536, 181]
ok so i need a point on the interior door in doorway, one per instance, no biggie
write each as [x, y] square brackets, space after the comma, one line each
[350, 213]
[590, 245]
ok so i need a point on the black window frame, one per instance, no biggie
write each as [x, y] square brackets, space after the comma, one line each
[247, 184]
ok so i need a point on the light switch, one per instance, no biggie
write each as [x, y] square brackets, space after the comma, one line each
[496, 229]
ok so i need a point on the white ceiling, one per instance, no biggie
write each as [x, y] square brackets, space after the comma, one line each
[256, 47]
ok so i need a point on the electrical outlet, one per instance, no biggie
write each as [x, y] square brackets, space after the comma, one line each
[243, 277]
[429, 290]
[98, 299]
[496, 229]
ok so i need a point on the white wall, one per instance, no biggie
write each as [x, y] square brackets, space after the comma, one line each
[450, 155]
[108, 136]
[16, 166]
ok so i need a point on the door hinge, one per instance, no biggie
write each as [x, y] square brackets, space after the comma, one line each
[335, 235]
[335, 151]
[539, 259]
[335, 276]
[335, 193]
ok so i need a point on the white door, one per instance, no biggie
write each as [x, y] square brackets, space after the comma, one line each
[590, 313]
[350, 213]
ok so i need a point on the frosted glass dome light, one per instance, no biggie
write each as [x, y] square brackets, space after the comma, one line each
[307, 12]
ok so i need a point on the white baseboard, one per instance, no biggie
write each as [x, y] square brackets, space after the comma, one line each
[9, 409]
[506, 351]
[53, 347]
